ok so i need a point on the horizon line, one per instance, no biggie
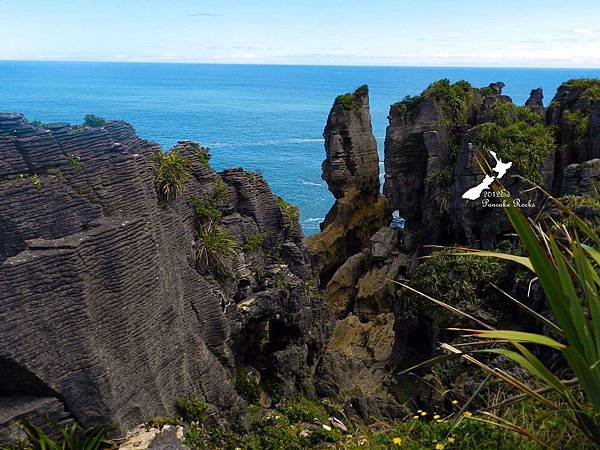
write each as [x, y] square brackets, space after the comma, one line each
[117, 61]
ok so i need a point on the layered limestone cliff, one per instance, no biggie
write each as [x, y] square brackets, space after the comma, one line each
[351, 170]
[108, 313]
[438, 146]
[104, 314]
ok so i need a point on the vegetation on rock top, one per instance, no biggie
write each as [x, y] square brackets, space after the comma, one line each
[93, 121]
[172, 172]
[291, 212]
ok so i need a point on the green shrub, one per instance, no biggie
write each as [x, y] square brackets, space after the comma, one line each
[456, 99]
[34, 180]
[525, 145]
[203, 154]
[505, 113]
[211, 438]
[281, 282]
[203, 158]
[74, 161]
[221, 192]
[300, 409]
[347, 102]
[190, 409]
[37, 123]
[565, 264]
[440, 185]
[254, 242]
[580, 123]
[292, 212]
[73, 438]
[454, 279]
[171, 172]
[591, 87]
[246, 386]
[93, 121]
[362, 90]
[204, 210]
[214, 248]
[57, 173]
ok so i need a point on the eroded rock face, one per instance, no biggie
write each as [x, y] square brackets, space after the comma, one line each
[101, 303]
[582, 179]
[351, 170]
[575, 113]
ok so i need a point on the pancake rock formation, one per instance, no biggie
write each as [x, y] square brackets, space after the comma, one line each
[105, 316]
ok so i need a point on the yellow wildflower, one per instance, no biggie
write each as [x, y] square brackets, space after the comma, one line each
[451, 440]
[419, 410]
[423, 413]
[436, 416]
[415, 417]
[455, 402]
[397, 441]
[467, 413]
[439, 446]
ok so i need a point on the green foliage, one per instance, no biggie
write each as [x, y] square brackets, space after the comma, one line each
[203, 154]
[486, 91]
[525, 145]
[221, 192]
[254, 242]
[579, 121]
[454, 279]
[281, 282]
[203, 158]
[408, 105]
[57, 173]
[505, 113]
[247, 386]
[171, 172]
[300, 409]
[517, 134]
[362, 90]
[211, 438]
[591, 200]
[73, 438]
[591, 87]
[37, 123]
[456, 99]
[93, 121]
[214, 248]
[190, 409]
[440, 183]
[204, 210]
[292, 212]
[566, 266]
[282, 429]
[74, 161]
[348, 101]
[209, 209]
[34, 180]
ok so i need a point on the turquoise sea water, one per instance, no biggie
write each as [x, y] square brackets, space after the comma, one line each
[265, 118]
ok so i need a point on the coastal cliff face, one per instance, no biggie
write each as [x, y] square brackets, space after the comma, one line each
[112, 305]
[437, 145]
[104, 314]
[351, 171]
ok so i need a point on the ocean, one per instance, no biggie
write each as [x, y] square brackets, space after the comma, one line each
[268, 119]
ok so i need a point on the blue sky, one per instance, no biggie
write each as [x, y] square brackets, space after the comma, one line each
[509, 33]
